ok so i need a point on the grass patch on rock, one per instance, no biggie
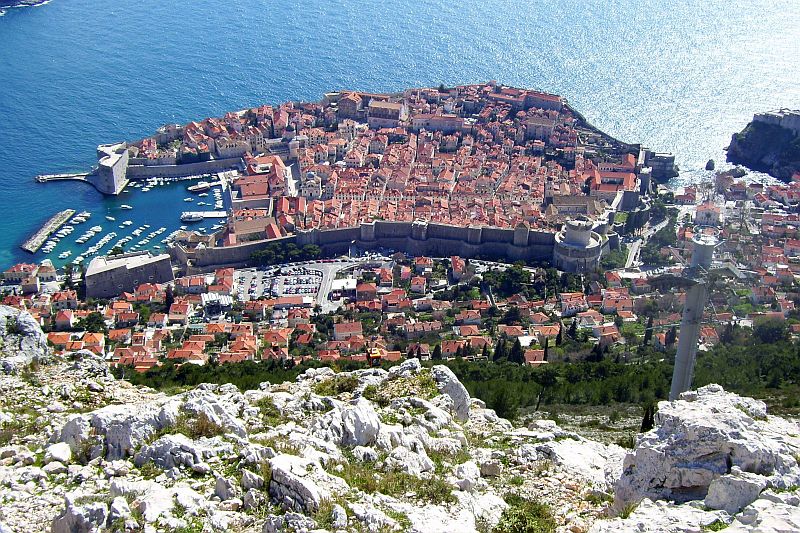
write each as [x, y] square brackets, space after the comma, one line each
[269, 412]
[336, 385]
[193, 427]
[365, 477]
[525, 516]
[420, 385]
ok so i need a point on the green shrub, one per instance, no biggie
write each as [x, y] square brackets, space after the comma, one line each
[149, 470]
[525, 516]
[421, 385]
[269, 412]
[336, 385]
[365, 477]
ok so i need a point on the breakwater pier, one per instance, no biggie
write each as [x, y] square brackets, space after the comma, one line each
[79, 176]
[51, 226]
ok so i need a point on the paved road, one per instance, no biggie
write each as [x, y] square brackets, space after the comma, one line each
[633, 253]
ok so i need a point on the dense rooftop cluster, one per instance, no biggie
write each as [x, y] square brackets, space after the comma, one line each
[480, 154]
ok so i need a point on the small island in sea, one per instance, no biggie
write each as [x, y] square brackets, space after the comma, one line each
[769, 143]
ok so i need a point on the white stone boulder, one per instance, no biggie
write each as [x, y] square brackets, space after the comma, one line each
[467, 476]
[593, 462]
[222, 405]
[120, 428]
[660, 517]
[251, 480]
[301, 484]
[767, 516]
[735, 491]
[22, 340]
[351, 425]
[406, 369]
[225, 488]
[448, 384]
[60, 452]
[80, 518]
[119, 510]
[411, 461]
[171, 451]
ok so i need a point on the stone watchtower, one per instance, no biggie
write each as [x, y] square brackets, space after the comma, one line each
[112, 168]
[521, 233]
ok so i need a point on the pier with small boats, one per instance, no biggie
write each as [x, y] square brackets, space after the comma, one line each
[36, 241]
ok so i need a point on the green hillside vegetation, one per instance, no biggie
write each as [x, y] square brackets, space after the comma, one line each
[762, 362]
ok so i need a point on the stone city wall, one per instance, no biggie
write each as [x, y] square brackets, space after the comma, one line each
[189, 169]
[418, 238]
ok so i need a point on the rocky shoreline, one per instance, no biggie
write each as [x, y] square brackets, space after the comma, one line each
[370, 450]
[766, 148]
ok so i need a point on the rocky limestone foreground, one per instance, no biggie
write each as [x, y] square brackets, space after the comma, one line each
[370, 450]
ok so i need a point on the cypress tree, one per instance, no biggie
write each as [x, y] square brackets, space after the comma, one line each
[499, 350]
[437, 352]
[648, 332]
[517, 354]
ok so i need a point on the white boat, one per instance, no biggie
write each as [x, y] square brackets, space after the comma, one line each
[64, 255]
[200, 187]
[127, 223]
[191, 217]
[125, 206]
[96, 228]
[188, 199]
[145, 189]
[203, 194]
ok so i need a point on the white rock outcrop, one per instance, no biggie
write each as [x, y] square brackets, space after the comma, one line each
[22, 341]
[301, 484]
[703, 436]
[448, 384]
[714, 459]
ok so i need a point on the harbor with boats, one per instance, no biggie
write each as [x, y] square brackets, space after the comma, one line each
[132, 221]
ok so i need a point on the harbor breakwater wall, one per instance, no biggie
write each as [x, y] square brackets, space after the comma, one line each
[416, 238]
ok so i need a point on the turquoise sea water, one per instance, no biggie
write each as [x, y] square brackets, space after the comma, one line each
[678, 76]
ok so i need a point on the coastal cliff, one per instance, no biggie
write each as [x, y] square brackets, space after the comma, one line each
[765, 147]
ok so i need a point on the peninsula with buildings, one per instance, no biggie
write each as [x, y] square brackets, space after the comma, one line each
[476, 171]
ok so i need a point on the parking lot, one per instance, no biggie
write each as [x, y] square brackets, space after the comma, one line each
[277, 282]
[312, 278]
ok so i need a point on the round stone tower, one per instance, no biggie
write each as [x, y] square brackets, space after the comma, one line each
[577, 248]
